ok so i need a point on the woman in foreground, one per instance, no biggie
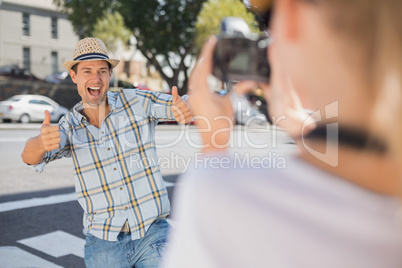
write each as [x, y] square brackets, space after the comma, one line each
[337, 203]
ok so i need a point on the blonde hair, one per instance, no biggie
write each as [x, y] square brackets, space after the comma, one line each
[376, 27]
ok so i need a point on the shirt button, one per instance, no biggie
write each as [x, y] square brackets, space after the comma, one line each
[126, 208]
[115, 169]
[121, 188]
[103, 132]
[108, 149]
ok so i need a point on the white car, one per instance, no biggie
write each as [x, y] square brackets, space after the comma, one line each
[30, 108]
[245, 114]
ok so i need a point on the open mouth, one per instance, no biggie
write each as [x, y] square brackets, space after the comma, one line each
[94, 91]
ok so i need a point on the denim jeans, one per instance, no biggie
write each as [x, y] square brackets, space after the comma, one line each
[139, 253]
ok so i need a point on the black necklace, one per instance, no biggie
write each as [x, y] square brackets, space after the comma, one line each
[355, 138]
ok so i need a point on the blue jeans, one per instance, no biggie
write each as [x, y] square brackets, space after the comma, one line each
[139, 253]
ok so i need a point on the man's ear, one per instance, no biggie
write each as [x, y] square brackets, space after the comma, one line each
[72, 74]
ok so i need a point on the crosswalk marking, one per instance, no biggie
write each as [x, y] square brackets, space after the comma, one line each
[35, 202]
[43, 201]
[56, 244]
[17, 258]
[13, 139]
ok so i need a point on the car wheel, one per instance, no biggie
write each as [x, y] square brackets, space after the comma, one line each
[25, 119]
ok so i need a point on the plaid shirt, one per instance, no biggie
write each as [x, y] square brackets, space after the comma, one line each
[117, 175]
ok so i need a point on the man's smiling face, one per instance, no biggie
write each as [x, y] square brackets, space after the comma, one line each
[92, 79]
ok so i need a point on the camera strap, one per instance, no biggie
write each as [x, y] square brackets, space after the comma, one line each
[350, 137]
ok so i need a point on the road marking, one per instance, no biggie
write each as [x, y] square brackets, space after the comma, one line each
[18, 258]
[13, 139]
[43, 201]
[56, 244]
[35, 202]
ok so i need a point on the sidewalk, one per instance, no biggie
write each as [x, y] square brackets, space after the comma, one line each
[17, 126]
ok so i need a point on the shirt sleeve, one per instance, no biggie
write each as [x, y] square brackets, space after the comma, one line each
[62, 151]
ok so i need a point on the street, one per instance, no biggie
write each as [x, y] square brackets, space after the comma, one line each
[40, 220]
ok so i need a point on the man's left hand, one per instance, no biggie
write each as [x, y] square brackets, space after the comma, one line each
[181, 111]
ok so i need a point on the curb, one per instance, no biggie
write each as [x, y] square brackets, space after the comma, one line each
[18, 126]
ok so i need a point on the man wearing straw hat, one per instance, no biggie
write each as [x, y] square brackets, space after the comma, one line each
[110, 137]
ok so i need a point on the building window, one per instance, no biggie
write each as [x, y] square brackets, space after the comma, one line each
[55, 66]
[26, 58]
[25, 24]
[54, 28]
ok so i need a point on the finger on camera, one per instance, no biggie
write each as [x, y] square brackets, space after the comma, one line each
[203, 68]
[206, 56]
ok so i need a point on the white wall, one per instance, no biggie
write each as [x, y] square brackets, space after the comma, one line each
[40, 41]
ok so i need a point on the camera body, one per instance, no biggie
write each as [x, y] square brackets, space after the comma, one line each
[240, 54]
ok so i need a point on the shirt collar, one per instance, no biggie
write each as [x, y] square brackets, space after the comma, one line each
[77, 109]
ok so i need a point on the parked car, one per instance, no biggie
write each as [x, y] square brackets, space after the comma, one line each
[244, 110]
[30, 108]
[56, 78]
[245, 113]
[14, 71]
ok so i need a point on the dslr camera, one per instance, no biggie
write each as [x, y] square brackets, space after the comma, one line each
[241, 54]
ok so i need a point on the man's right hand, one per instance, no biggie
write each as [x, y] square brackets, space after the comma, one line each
[50, 135]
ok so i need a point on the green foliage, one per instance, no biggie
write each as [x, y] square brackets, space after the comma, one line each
[84, 14]
[211, 14]
[164, 29]
[111, 28]
[165, 33]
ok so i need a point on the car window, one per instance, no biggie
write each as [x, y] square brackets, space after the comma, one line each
[34, 102]
[41, 102]
[44, 102]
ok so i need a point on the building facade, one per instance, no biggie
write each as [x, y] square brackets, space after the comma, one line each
[35, 35]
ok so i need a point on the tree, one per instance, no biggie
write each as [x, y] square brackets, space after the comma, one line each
[84, 14]
[213, 11]
[111, 30]
[165, 30]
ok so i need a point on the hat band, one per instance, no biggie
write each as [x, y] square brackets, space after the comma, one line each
[92, 56]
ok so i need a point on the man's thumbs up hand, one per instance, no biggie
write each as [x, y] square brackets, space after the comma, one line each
[50, 135]
[180, 109]
[46, 122]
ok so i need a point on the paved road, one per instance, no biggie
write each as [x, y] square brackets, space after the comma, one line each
[40, 221]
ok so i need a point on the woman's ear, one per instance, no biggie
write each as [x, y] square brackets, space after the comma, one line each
[286, 18]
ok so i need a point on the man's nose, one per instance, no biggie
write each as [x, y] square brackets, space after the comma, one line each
[96, 76]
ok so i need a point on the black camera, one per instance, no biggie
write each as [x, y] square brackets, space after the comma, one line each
[241, 54]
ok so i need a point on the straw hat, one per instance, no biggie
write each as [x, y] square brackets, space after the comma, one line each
[90, 49]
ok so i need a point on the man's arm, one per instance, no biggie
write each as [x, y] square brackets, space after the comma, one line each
[36, 147]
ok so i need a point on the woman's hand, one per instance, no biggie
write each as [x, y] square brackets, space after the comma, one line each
[213, 113]
[284, 105]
